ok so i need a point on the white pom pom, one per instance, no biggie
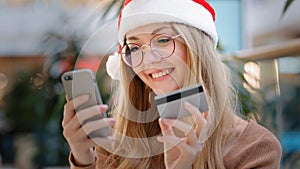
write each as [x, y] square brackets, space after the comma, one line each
[113, 66]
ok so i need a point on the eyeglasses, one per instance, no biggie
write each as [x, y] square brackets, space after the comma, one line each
[162, 46]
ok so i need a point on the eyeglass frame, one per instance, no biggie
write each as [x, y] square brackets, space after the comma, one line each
[149, 44]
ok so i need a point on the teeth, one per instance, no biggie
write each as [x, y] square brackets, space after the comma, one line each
[160, 74]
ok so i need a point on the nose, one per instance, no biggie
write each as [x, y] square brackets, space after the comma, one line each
[144, 47]
[149, 56]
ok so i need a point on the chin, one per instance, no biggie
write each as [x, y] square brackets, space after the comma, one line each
[164, 90]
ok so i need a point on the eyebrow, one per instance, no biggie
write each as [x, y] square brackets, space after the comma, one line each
[153, 32]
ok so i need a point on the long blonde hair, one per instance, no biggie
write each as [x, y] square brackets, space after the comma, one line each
[132, 98]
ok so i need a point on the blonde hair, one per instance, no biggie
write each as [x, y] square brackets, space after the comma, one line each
[132, 97]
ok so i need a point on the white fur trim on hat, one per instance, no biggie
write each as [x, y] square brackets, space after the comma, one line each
[142, 12]
[113, 66]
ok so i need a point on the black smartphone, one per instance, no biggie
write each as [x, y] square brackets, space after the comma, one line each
[171, 105]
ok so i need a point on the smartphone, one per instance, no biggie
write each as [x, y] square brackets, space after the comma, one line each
[80, 82]
[171, 105]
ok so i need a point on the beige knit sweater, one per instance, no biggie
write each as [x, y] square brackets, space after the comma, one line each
[256, 147]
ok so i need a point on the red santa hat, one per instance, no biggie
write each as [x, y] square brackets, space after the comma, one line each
[196, 13]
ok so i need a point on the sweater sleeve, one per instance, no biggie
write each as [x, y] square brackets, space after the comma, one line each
[257, 148]
[74, 166]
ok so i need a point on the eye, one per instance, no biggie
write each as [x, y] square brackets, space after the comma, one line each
[134, 49]
[163, 40]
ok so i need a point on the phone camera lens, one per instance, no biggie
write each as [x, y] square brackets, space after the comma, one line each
[68, 78]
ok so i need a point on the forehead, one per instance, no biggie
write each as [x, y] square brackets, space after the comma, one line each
[150, 29]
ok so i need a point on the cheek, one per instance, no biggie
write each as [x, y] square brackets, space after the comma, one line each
[142, 77]
[137, 72]
[181, 57]
[184, 54]
[139, 69]
[182, 67]
[181, 52]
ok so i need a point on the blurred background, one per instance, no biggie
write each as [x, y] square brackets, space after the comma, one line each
[41, 39]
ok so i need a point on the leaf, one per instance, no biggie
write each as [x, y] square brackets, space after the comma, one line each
[286, 6]
[111, 5]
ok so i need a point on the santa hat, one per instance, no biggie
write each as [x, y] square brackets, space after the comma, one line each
[196, 13]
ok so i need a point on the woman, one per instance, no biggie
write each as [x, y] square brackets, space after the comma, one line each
[164, 46]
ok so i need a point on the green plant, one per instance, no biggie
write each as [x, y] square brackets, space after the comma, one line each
[34, 107]
[286, 6]
[245, 103]
[35, 102]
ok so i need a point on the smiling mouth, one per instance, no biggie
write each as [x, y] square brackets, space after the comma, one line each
[161, 73]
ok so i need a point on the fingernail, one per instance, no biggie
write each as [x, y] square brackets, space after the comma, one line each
[162, 120]
[167, 121]
[84, 97]
[103, 107]
[187, 104]
[111, 121]
[159, 138]
[110, 138]
[184, 139]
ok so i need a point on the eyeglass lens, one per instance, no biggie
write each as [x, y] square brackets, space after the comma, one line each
[162, 45]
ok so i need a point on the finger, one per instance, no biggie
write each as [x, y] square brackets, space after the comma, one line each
[83, 139]
[173, 141]
[205, 115]
[70, 128]
[73, 104]
[185, 128]
[165, 128]
[67, 98]
[186, 151]
[68, 117]
[197, 115]
[68, 112]
[74, 136]
[98, 124]
[79, 135]
[91, 114]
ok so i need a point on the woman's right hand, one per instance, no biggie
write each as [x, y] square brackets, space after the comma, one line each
[77, 135]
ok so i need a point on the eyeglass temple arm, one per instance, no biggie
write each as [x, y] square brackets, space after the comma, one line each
[176, 36]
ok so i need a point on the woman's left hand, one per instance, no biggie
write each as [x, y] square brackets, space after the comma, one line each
[181, 152]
